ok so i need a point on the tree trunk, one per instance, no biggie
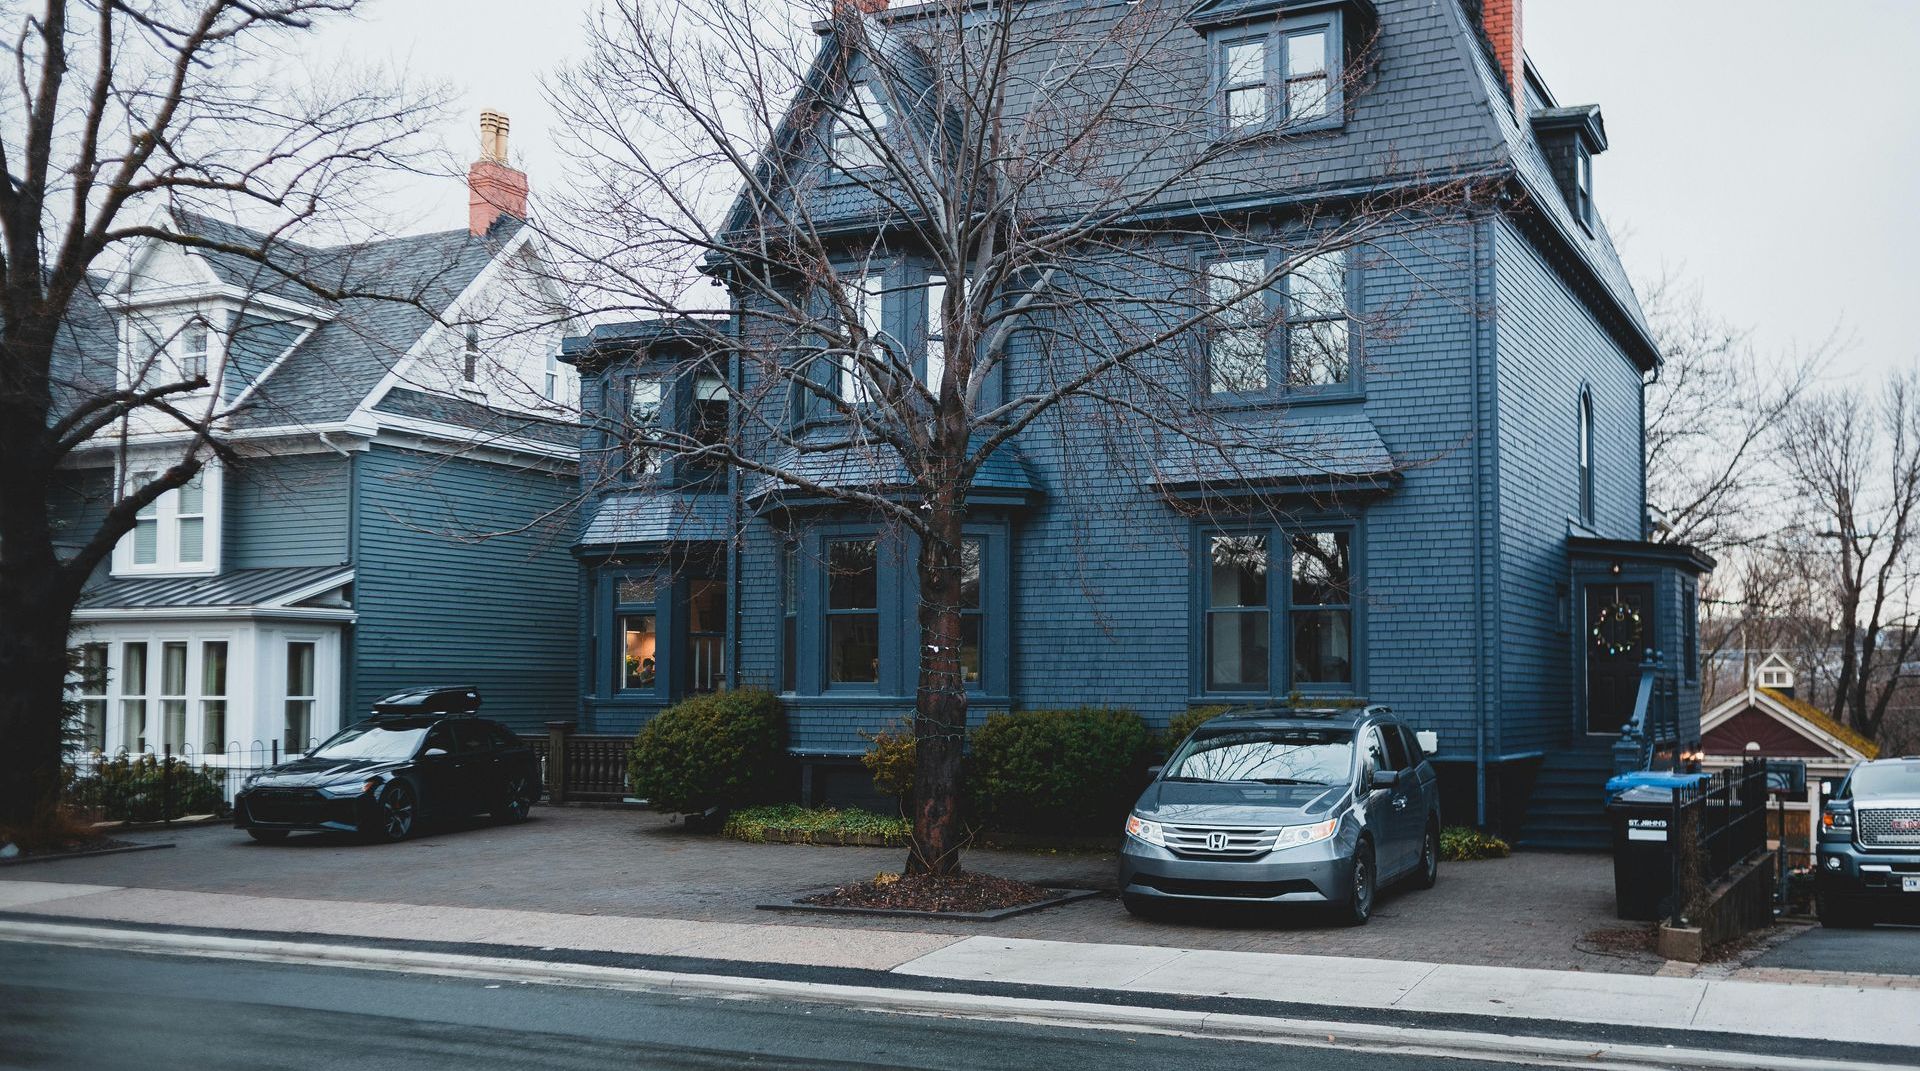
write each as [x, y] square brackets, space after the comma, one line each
[33, 677]
[940, 707]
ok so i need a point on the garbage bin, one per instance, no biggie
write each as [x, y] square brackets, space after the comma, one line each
[1640, 809]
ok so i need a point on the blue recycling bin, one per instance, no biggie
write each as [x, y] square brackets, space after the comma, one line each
[1640, 805]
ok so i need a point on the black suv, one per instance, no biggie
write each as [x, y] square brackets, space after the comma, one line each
[420, 755]
[1288, 805]
[1870, 844]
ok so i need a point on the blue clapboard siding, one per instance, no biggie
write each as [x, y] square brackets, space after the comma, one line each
[439, 604]
[288, 510]
[76, 506]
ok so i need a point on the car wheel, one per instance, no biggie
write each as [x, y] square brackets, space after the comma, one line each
[268, 836]
[515, 801]
[395, 814]
[1429, 873]
[1362, 877]
[1837, 914]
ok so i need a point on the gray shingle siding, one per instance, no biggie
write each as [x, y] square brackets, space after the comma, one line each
[437, 605]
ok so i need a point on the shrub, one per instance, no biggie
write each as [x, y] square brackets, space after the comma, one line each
[1461, 844]
[822, 825]
[1058, 771]
[711, 751]
[889, 759]
[146, 788]
[1182, 724]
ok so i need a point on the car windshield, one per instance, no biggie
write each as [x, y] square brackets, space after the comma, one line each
[372, 742]
[1890, 779]
[1267, 756]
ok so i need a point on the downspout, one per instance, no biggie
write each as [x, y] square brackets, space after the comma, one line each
[349, 646]
[1483, 350]
[735, 506]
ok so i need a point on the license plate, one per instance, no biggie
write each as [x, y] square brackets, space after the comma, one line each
[1910, 883]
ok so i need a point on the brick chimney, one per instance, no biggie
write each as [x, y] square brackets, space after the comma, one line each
[1500, 20]
[859, 7]
[493, 188]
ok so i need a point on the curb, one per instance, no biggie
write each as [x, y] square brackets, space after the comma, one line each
[1322, 1033]
[122, 850]
[1060, 896]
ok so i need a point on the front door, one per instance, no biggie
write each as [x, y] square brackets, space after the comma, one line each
[1619, 632]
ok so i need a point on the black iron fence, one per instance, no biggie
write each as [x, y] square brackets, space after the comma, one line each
[1717, 824]
[163, 785]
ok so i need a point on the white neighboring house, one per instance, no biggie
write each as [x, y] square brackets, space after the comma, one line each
[381, 419]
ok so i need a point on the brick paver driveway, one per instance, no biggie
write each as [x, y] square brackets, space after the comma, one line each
[1534, 910]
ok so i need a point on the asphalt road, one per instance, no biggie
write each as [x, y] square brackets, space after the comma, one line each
[1883, 949]
[73, 1008]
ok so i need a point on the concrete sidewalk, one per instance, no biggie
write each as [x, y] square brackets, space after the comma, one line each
[1800, 1011]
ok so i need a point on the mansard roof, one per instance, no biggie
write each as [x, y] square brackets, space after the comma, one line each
[1436, 107]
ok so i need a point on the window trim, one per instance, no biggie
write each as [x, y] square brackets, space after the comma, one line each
[1277, 301]
[1584, 456]
[1583, 184]
[827, 613]
[166, 517]
[1276, 33]
[841, 130]
[1280, 608]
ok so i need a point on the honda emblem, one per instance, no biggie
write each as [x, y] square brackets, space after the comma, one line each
[1216, 842]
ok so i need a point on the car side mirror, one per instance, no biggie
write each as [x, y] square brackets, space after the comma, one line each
[1154, 772]
[434, 753]
[1384, 779]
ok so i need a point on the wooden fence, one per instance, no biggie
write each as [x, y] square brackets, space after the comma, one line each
[582, 767]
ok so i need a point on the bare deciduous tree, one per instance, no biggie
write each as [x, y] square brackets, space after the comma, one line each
[1852, 459]
[1055, 177]
[123, 114]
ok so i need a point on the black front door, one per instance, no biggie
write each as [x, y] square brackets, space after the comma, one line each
[1619, 631]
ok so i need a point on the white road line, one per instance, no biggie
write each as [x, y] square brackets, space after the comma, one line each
[1502, 1048]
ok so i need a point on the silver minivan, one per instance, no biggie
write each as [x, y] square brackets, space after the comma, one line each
[1286, 805]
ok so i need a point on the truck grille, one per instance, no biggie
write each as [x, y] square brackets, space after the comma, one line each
[1219, 842]
[1888, 827]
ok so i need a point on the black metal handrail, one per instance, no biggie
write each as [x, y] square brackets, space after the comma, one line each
[1716, 824]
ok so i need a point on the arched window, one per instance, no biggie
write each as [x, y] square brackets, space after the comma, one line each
[1586, 456]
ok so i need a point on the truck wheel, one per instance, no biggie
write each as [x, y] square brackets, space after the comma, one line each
[1362, 880]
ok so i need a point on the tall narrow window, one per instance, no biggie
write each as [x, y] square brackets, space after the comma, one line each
[1237, 615]
[1319, 350]
[300, 696]
[868, 297]
[93, 695]
[133, 695]
[708, 419]
[1583, 185]
[1245, 84]
[1308, 76]
[1321, 608]
[470, 356]
[1586, 457]
[972, 611]
[190, 520]
[856, 134]
[853, 611]
[638, 649]
[146, 526]
[173, 695]
[706, 634]
[213, 697]
[194, 343]
[552, 391]
[936, 333]
[1237, 343]
[790, 619]
[645, 401]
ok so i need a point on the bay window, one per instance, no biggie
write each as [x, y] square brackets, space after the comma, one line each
[1267, 638]
[936, 364]
[972, 611]
[173, 696]
[645, 400]
[853, 611]
[300, 696]
[93, 695]
[133, 695]
[639, 635]
[213, 697]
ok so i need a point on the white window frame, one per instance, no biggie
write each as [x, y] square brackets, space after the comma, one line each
[859, 127]
[166, 514]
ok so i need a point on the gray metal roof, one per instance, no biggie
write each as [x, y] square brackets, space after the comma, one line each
[486, 421]
[1307, 447]
[877, 467]
[239, 587]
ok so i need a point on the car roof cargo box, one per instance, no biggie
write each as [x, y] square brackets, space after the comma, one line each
[432, 699]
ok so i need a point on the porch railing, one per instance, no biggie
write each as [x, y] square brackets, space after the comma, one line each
[582, 767]
[1654, 729]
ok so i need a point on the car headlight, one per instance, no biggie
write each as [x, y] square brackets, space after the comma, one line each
[1294, 836]
[1142, 829]
[350, 788]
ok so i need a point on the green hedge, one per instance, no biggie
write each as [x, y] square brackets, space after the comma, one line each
[820, 825]
[1058, 771]
[722, 750]
[147, 789]
[1462, 844]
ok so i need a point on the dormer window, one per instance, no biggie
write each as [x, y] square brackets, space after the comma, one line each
[1282, 75]
[856, 132]
[1583, 186]
[195, 340]
[470, 357]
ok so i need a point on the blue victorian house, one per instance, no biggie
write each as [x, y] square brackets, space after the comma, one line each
[1456, 526]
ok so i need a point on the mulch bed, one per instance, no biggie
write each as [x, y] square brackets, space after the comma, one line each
[955, 893]
[1629, 942]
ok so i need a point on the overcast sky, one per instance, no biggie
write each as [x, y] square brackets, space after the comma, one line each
[1768, 155]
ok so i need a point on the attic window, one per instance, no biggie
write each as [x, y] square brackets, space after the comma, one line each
[194, 343]
[1583, 186]
[470, 369]
[1280, 75]
[857, 131]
